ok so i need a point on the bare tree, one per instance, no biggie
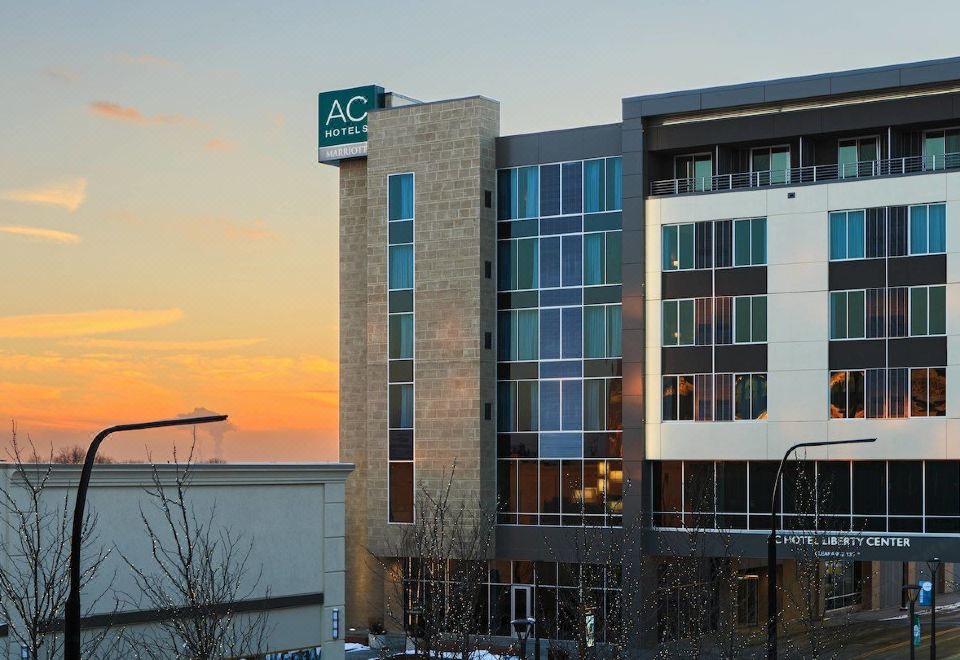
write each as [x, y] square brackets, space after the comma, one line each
[199, 574]
[439, 570]
[35, 556]
[699, 577]
[76, 454]
[808, 501]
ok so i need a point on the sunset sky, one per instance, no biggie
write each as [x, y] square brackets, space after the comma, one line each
[168, 242]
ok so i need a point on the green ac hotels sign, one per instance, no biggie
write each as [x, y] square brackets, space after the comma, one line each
[343, 121]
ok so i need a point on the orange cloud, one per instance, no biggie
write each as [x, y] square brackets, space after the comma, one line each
[41, 234]
[258, 231]
[85, 323]
[117, 112]
[164, 345]
[68, 193]
[145, 59]
[216, 144]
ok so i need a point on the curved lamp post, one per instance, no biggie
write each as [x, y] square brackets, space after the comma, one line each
[71, 628]
[522, 628]
[912, 591]
[933, 565]
[772, 542]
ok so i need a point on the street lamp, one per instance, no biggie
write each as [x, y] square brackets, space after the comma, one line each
[522, 628]
[912, 591]
[71, 620]
[772, 542]
[934, 567]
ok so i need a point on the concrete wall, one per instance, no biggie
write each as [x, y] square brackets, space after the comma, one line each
[798, 330]
[450, 148]
[364, 597]
[291, 514]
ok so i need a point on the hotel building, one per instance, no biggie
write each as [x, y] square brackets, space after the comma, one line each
[625, 326]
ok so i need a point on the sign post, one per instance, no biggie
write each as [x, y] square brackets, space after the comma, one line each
[342, 118]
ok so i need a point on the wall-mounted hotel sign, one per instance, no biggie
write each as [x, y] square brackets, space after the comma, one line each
[790, 545]
[343, 122]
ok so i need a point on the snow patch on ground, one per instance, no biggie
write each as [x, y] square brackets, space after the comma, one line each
[952, 607]
[350, 646]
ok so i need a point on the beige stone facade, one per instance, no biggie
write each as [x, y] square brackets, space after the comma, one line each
[450, 148]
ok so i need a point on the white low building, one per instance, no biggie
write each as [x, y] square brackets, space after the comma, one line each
[291, 516]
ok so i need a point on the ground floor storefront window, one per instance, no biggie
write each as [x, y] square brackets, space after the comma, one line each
[843, 585]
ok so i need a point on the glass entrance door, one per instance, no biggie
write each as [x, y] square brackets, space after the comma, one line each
[521, 599]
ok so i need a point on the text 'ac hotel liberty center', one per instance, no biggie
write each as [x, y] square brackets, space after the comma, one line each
[675, 298]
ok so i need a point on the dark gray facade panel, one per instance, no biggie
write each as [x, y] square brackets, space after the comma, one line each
[671, 104]
[633, 345]
[632, 248]
[805, 122]
[632, 140]
[633, 276]
[915, 271]
[518, 150]
[555, 146]
[559, 145]
[724, 98]
[742, 358]
[742, 281]
[864, 81]
[632, 163]
[918, 352]
[633, 313]
[796, 88]
[686, 360]
[905, 546]
[933, 72]
[531, 543]
[857, 354]
[633, 416]
[860, 274]
[686, 284]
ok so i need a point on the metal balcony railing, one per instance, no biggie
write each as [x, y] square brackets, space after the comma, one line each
[807, 174]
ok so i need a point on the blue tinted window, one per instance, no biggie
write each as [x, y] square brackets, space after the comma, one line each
[560, 445]
[938, 228]
[614, 184]
[572, 332]
[549, 262]
[572, 405]
[528, 192]
[593, 259]
[549, 334]
[550, 190]
[572, 188]
[400, 192]
[549, 405]
[572, 261]
[593, 185]
[401, 267]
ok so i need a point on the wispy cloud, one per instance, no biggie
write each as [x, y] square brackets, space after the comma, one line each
[145, 59]
[78, 324]
[39, 234]
[203, 345]
[257, 231]
[63, 74]
[129, 114]
[218, 144]
[66, 193]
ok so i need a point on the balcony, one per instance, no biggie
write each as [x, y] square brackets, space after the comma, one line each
[807, 174]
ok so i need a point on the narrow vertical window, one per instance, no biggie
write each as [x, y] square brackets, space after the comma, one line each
[400, 348]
